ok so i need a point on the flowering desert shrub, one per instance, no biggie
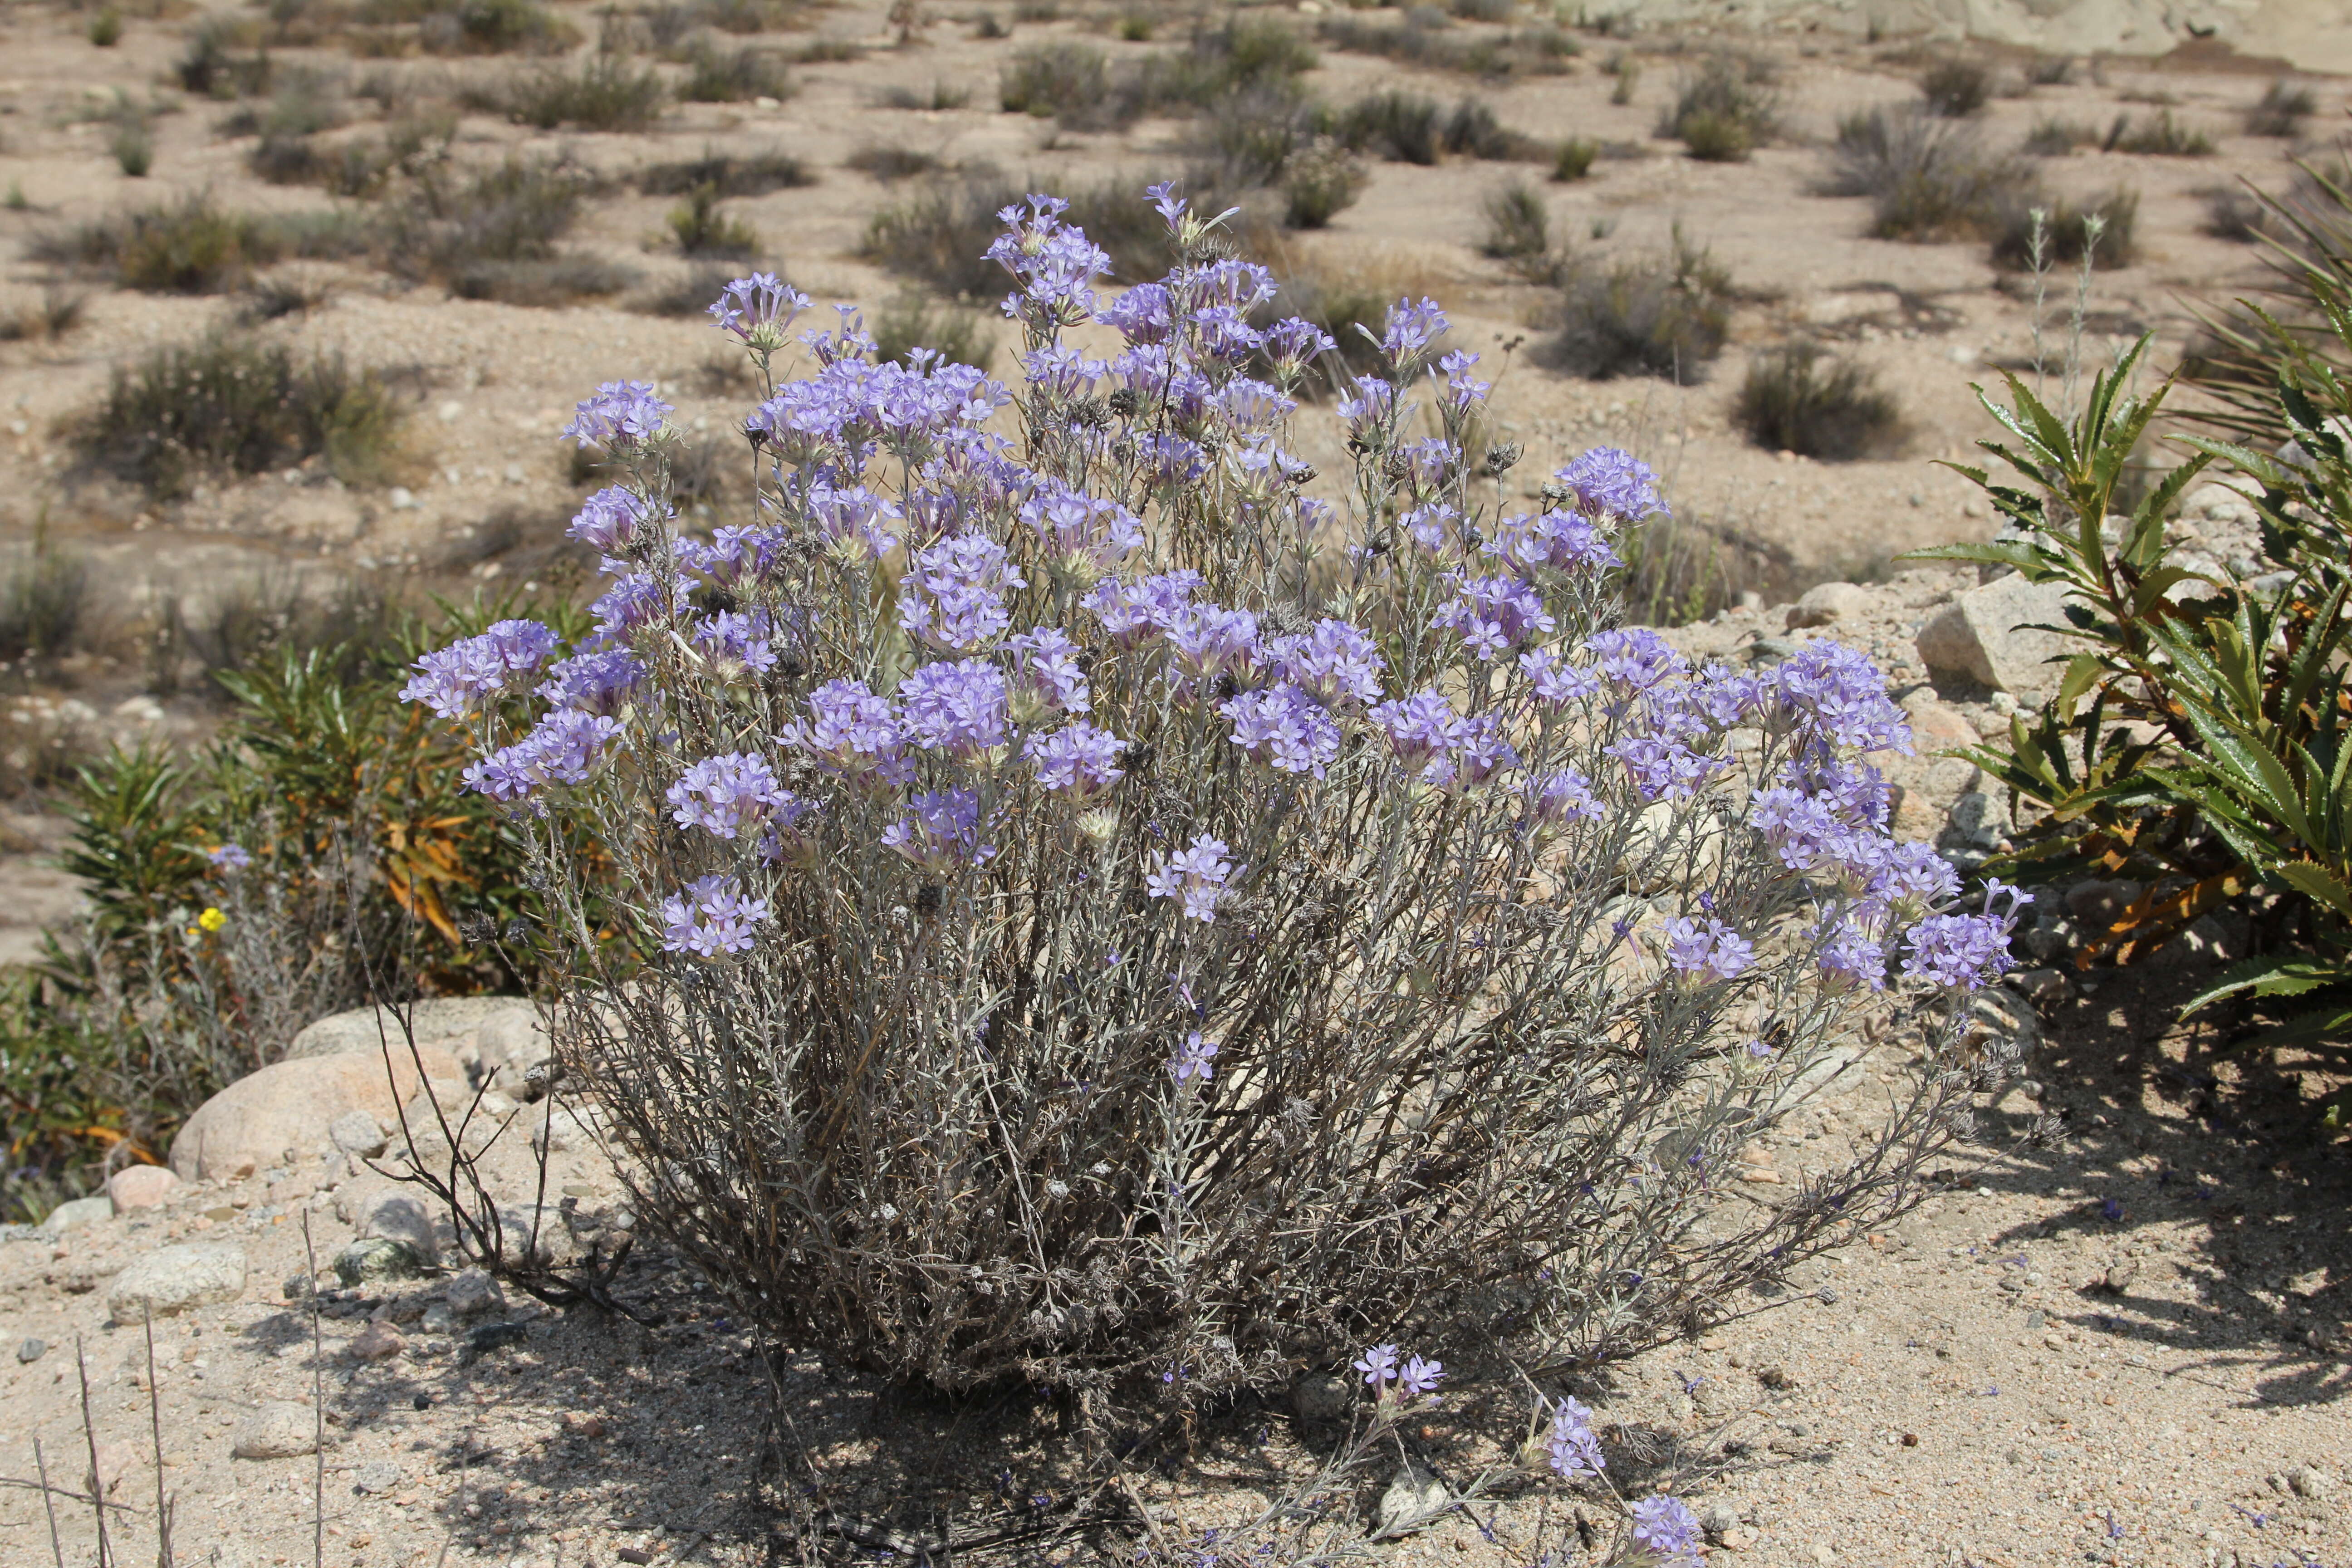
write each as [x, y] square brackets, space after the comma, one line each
[1091, 910]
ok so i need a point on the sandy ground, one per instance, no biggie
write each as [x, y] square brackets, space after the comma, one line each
[2121, 1341]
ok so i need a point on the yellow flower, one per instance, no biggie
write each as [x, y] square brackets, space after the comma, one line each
[212, 919]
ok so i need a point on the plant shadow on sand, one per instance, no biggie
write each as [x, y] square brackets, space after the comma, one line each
[2163, 1127]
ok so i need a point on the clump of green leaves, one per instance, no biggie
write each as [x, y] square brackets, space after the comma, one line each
[2201, 741]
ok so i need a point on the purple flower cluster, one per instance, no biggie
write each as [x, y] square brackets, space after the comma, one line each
[1572, 1446]
[1614, 486]
[1078, 758]
[1835, 695]
[1962, 951]
[852, 733]
[1053, 264]
[738, 640]
[1196, 875]
[1337, 663]
[1132, 613]
[851, 404]
[1285, 726]
[560, 751]
[725, 796]
[1668, 1531]
[1561, 540]
[962, 709]
[1206, 641]
[1635, 658]
[1562, 796]
[1046, 667]
[953, 592]
[1708, 952]
[939, 832]
[611, 520]
[1494, 614]
[1084, 535]
[455, 681]
[711, 917]
[762, 299]
[229, 857]
[623, 413]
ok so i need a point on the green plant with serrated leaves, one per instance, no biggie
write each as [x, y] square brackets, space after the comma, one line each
[2197, 739]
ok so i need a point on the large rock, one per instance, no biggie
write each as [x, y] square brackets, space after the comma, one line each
[78, 1212]
[290, 1105]
[280, 1429]
[402, 1216]
[483, 1035]
[173, 1279]
[1987, 634]
[140, 1187]
[1827, 604]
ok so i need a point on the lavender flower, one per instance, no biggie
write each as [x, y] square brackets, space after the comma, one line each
[852, 733]
[1378, 1365]
[1635, 658]
[1839, 695]
[1291, 344]
[1668, 1529]
[1410, 331]
[1141, 314]
[1963, 951]
[1574, 1450]
[1493, 614]
[1614, 485]
[1558, 540]
[229, 857]
[1436, 528]
[1196, 875]
[1368, 406]
[1420, 729]
[1851, 955]
[724, 795]
[939, 832]
[611, 520]
[961, 709]
[1083, 534]
[1078, 758]
[762, 301]
[1481, 751]
[1708, 953]
[1046, 670]
[1663, 769]
[1554, 682]
[1290, 727]
[1418, 1377]
[952, 594]
[637, 600]
[1337, 663]
[561, 749]
[1562, 796]
[454, 681]
[710, 918]
[1191, 1060]
[1207, 641]
[738, 640]
[856, 521]
[1131, 613]
[623, 413]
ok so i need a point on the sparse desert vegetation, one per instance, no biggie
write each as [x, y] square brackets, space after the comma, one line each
[337, 333]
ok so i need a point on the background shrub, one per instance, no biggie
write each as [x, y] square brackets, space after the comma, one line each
[1665, 316]
[1799, 398]
[1725, 108]
[701, 228]
[497, 234]
[729, 174]
[2282, 110]
[909, 320]
[1519, 233]
[193, 246]
[938, 234]
[1064, 79]
[2162, 137]
[237, 406]
[2067, 229]
[1572, 159]
[1956, 87]
[2053, 136]
[733, 76]
[1927, 178]
[494, 27]
[1317, 183]
[606, 93]
[1399, 126]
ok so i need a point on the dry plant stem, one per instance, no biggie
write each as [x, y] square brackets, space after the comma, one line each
[89, 1440]
[48, 1503]
[155, 1431]
[317, 1407]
